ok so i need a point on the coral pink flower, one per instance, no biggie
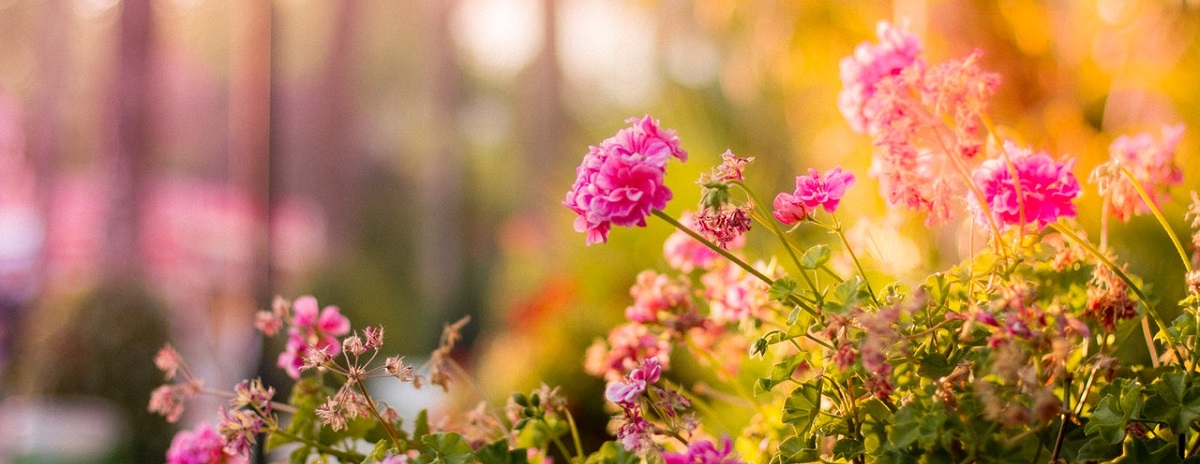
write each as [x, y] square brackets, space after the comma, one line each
[1048, 188]
[1152, 165]
[621, 181]
[915, 147]
[704, 452]
[656, 292]
[860, 72]
[200, 446]
[627, 345]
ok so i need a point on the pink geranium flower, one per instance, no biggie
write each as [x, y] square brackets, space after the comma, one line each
[1048, 188]
[812, 190]
[897, 49]
[704, 452]
[621, 181]
[311, 329]
[654, 293]
[625, 393]
[200, 446]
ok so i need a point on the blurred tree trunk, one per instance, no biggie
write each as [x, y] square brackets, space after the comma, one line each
[128, 162]
[250, 125]
[45, 108]
[545, 119]
[340, 160]
[440, 234]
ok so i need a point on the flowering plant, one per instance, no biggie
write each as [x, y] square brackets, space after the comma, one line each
[1011, 355]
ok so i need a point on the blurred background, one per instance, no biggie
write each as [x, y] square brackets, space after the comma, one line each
[167, 166]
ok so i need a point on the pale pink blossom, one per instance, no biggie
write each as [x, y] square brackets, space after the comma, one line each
[621, 181]
[635, 433]
[704, 452]
[1047, 189]
[311, 329]
[202, 445]
[733, 294]
[1150, 162]
[730, 169]
[897, 49]
[238, 430]
[925, 121]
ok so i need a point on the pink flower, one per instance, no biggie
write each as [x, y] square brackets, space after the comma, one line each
[330, 322]
[1048, 188]
[200, 446]
[897, 50]
[704, 452]
[687, 254]
[656, 292]
[625, 393]
[311, 329]
[813, 191]
[788, 209]
[627, 345]
[733, 294]
[621, 181]
[1152, 165]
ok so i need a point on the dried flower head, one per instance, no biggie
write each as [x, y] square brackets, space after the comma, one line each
[396, 368]
[239, 430]
[252, 393]
[1108, 300]
[725, 226]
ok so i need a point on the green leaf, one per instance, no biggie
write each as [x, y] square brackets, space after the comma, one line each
[1119, 402]
[498, 453]
[782, 288]
[846, 296]
[802, 406]
[1098, 449]
[382, 447]
[815, 257]
[934, 365]
[1174, 399]
[848, 448]
[449, 448]
[780, 372]
[796, 449]
[612, 453]
[1157, 451]
[421, 425]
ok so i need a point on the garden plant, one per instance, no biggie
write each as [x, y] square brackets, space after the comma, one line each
[1012, 355]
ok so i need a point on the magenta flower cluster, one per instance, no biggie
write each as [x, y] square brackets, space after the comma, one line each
[620, 182]
[202, 445]
[1047, 189]
[812, 190]
[704, 452]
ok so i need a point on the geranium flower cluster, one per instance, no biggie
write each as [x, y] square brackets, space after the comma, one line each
[621, 181]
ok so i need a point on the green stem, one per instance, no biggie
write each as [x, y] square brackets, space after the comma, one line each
[768, 219]
[391, 433]
[1151, 310]
[574, 434]
[344, 456]
[837, 228]
[729, 256]
[1187, 263]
